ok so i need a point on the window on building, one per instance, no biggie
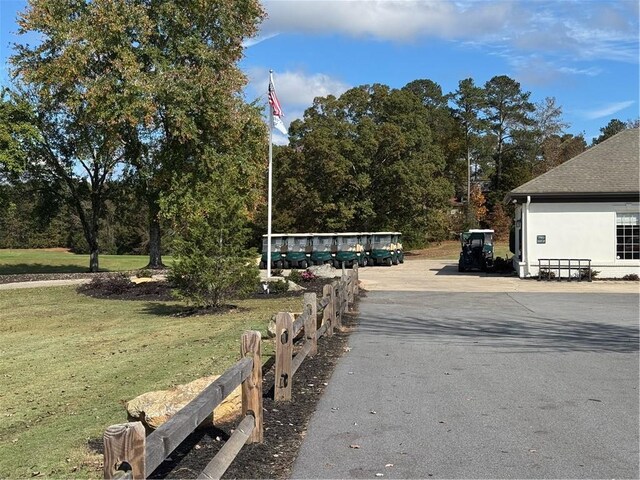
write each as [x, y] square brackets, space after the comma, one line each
[627, 236]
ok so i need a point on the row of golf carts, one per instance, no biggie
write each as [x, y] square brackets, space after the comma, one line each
[301, 250]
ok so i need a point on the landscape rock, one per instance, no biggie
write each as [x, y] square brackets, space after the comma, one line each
[324, 271]
[155, 408]
[294, 287]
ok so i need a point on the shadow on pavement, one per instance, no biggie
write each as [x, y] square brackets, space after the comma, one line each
[452, 270]
[526, 334]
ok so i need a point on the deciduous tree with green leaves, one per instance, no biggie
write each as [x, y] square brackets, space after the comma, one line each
[69, 81]
[364, 161]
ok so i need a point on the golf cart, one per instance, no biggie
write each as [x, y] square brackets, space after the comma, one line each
[349, 250]
[383, 251]
[396, 238]
[476, 250]
[278, 251]
[323, 248]
[298, 253]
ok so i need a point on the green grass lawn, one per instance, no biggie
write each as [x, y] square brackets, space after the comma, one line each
[16, 261]
[68, 363]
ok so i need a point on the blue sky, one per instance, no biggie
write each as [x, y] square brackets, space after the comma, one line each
[583, 53]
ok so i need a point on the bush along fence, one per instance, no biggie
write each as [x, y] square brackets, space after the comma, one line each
[130, 454]
[336, 298]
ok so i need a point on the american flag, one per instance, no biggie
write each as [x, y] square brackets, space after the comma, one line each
[276, 109]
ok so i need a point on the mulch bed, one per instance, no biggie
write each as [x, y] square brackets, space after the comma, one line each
[285, 423]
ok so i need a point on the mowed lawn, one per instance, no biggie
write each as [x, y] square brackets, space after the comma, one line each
[68, 362]
[16, 261]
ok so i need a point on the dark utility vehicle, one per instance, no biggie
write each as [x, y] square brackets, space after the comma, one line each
[477, 250]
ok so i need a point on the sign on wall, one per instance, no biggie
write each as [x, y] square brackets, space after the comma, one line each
[541, 239]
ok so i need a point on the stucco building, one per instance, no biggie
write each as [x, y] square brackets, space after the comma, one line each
[586, 208]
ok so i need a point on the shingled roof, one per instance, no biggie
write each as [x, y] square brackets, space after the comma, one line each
[609, 169]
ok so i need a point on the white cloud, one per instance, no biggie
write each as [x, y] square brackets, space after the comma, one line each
[389, 20]
[560, 32]
[608, 110]
[250, 42]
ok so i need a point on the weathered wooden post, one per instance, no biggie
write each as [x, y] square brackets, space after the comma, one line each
[328, 315]
[356, 280]
[311, 325]
[252, 386]
[339, 294]
[284, 354]
[124, 451]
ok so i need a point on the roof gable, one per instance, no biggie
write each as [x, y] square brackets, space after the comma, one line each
[611, 167]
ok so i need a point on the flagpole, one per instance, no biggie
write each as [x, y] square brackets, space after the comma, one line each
[270, 184]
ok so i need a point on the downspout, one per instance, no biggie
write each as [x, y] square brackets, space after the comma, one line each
[525, 240]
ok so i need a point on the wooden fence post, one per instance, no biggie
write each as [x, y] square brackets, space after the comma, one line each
[326, 311]
[311, 325]
[339, 302]
[330, 311]
[124, 450]
[252, 386]
[356, 279]
[284, 354]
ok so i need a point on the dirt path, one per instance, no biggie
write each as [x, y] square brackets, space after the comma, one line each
[417, 275]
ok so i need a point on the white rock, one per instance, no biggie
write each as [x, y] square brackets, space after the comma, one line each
[324, 271]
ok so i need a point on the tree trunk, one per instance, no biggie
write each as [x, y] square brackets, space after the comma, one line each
[155, 255]
[93, 256]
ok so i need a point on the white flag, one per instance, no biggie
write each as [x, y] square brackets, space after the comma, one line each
[276, 109]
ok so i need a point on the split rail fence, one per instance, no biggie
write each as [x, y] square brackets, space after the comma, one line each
[129, 453]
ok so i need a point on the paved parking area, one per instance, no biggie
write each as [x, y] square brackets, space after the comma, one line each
[504, 383]
[443, 276]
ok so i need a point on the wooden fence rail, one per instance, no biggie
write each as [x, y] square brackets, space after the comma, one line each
[335, 301]
[127, 452]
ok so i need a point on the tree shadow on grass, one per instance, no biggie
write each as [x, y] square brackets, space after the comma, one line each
[35, 268]
[165, 309]
[522, 334]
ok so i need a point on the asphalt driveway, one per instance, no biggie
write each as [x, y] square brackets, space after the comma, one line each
[444, 384]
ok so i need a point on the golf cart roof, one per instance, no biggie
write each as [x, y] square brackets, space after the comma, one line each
[481, 230]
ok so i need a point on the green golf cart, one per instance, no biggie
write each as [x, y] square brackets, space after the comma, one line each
[323, 248]
[476, 250]
[278, 251]
[383, 251]
[349, 250]
[396, 240]
[299, 249]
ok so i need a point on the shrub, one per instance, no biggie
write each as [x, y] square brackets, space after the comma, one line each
[502, 265]
[546, 274]
[279, 286]
[295, 276]
[584, 273]
[308, 276]
[112, 284]
[204, 281]
[276, 272]
[632, 277]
